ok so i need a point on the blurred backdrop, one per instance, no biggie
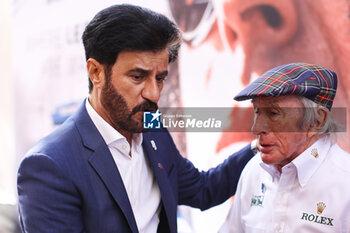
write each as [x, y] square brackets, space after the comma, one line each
[227, 44]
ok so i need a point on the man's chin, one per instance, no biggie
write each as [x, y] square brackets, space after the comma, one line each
[138, 116]
[267, 158]
[136, 127]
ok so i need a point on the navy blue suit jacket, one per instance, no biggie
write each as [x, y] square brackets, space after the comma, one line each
[69, 181]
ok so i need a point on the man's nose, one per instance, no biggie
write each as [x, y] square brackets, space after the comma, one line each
[152, 90]
[259, 125]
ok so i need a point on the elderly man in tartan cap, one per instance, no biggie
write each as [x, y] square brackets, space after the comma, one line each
[298, 182]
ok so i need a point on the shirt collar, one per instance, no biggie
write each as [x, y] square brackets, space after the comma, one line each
[311, 159]
[306, 163]
[109, 134]
[272, 170]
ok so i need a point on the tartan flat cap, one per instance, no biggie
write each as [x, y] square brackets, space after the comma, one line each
[311, 81]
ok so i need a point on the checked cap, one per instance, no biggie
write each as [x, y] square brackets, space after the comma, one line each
[311, 81]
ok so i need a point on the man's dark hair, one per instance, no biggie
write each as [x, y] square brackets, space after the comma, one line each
[128, 28]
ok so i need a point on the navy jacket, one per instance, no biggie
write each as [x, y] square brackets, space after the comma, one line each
[69, 182]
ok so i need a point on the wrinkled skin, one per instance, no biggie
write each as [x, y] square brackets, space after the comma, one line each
[272, 33]
[309, 31]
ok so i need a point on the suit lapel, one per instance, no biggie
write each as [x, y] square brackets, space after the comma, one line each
[155, 153]
[102, 162]
[105, 167]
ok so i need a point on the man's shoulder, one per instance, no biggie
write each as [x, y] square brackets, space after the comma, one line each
[62, 137]
[339, 158]
[253, 166]
[255, 161]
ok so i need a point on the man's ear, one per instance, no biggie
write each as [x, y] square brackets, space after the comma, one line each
[96, 72]
[322, 117]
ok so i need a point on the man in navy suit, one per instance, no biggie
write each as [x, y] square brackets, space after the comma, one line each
[100, 172]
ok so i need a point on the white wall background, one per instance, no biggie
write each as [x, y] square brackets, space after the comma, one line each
[7, 159]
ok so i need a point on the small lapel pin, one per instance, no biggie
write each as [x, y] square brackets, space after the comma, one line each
[153, 145]
[314, 152]
[263, 188]
[160, 165]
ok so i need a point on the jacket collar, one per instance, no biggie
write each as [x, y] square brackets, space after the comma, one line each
[102, 162]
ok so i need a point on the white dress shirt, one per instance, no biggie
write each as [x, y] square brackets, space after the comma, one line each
[135, 171]
[311, 194]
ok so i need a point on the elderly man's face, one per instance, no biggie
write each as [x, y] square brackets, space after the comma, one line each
[277, 126]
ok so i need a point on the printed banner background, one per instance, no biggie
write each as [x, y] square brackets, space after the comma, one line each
[228, 43]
